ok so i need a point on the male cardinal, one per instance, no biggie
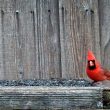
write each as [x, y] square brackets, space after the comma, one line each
[94, 69]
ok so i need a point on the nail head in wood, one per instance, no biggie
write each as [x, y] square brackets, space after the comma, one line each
[49, 11]
[17, 11]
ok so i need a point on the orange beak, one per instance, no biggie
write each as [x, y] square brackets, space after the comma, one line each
[91, 63]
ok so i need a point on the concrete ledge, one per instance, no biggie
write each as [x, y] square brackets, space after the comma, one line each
[42, 97]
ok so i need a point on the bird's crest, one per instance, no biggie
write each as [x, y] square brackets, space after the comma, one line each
[91, 56]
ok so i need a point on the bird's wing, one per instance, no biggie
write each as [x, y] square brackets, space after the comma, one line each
[106, 72]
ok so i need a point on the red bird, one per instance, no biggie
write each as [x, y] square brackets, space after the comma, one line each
[94, 69]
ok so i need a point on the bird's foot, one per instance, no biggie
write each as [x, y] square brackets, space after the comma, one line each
[98, 83]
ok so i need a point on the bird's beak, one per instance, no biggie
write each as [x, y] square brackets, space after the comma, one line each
[91, 63]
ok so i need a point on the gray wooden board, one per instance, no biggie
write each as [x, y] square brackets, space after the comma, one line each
[50, 97]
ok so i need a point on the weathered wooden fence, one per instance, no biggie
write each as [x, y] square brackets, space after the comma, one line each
[46, 39]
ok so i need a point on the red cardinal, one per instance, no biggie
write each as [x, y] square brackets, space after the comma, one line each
[94, 69]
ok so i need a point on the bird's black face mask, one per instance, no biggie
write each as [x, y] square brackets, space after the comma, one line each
[91, 64]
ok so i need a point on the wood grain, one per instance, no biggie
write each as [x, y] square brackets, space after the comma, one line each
[27, 39]
[2, 72]
[48, 35]
[51, 98]
[8, 41]
[78, 32]
[46, 39]
[104, 15]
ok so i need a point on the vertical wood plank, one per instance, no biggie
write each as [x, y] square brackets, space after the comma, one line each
[1, 47]
[27, 39]
[79, 31]
[8, 40]
[48, 34]
[9, 46]
[104, 14]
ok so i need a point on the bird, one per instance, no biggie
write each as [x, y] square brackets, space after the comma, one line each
[94, 69]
